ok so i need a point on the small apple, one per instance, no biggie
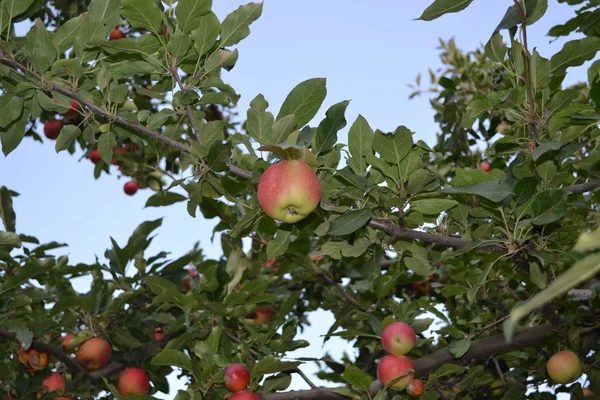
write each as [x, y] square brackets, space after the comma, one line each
[117, 150]
[398, 338]
[131, 188]
[498, 388]
[262, 316]
[237, 377]
[392, 367]
[289, 191]
[133, 381]
[94, 354]
[415, 388]
[485, 166]
[95, 156]
[52, 129]
[73, 111]
[245, 396]
[116, 34]
[54, 383]
[186, 282]
[33, 359]
[159, 333]
[269, 264]
[422, 287]
[66, 340]
[564, 367]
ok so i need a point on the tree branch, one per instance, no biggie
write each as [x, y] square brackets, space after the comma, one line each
[188, 109]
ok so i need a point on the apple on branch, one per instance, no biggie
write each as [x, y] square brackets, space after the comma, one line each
[94, 354]
[397, 369]
[133, 381]
[398, 338]
[564, 367]
[54, 383]
[237, 377]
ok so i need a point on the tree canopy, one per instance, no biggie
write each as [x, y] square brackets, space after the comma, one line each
[501, 243]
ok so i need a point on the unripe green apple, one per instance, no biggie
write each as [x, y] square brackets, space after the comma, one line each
[564, 367]
[391, 367]
[133, 381]
[94, 354]
[289, 191]
[398, 338]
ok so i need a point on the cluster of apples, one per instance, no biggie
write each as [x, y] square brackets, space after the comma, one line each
[236, 379]
[130, 188]
[52, 127]
[396, 369]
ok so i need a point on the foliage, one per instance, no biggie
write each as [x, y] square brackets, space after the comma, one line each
[409, 229]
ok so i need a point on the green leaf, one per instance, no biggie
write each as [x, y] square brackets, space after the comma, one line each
[220, 59]
[271, 365]
[106, 143]
[164, 289]
[537, 276]
[16, 7]
[495, 191]
[542, 68]
[304, 100]
[459, 347]
[418, 266]
[40, 48]
[580, 272]
[13, 135]
[279, 244]
[11, 108]
[360, 141]
[587, 241]
[24, 335]
[441, 7]
[495, 48]
[549, 206]
[206, 34]
[67, 135]
[67, 33]
[326, 136]
[9, 239]
[357, 378]
[394, 147]
[574, 53]
[433, 206]
[179, 45]
[282, 128]
[276, 383]
[350, 222]
[218, 156]
[190, 13]
[172, 357]
[447, 370]
[162, 199]
[7, 213]
[544, 148]
[143, 14]
[260, 122]
[236, 26]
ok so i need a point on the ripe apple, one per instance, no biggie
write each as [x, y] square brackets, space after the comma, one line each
[392, 367]
[133, 381]
[94, 354]
[159, 333]
[73, 111]
[34, 360]
[66, 340]
[52, 129]
[485, 166]
[95, 156]
[289, 191]
[415, 388]
[398, 338]
[131, 188]
[564, 367]
[186, 282]
[54, 383]
[245, 396]
[116, 34]
[237, 377]
[262, 316]
[117, 150]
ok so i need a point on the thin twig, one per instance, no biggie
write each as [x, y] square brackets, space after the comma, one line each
[330, 281]
[498, 370]
[530, 98]
[188, 109]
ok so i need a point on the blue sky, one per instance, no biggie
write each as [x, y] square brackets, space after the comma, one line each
[368, 51]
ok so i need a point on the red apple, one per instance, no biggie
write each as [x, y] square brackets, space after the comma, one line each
[116, 34]
[95, 156]
[52, 129]
[262, 316]
[133, 381]
[117, 150]
[131, 188]
[245, 396]
[485, 166]
[73, 111]
[391, 367]
[415, 388]
[289, 191]
[398, 338]
[564, 367]
[237, 377]
[34, 360]
[94, 354]
[159, 333]
[55, 383]
[66, 340]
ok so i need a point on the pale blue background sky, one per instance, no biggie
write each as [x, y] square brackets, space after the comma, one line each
[368, 51]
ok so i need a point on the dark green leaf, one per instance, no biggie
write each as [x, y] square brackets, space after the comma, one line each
[190, 13]
[357, 378]
[279, 244]
[432, 206]
[161, 199]
[326, 136]
[236, 26]
[459, 347]
[143, 14]
[7, 213]
[441, 7]
[393, 147]
[549, 206]
[574, 53]
[106, 143]
[11, 108]
[495, 191]
[350, 222]
[260, 122]
[206, 34]
[67, 135]
[40, 48]
[304, 100]
[172, 357]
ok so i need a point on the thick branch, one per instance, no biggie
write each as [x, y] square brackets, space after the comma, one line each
[584, 187]
[47, 348]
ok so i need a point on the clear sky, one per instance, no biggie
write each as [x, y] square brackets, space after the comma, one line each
[368, 51]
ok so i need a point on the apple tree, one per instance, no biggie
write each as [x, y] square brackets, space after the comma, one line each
[494, 229]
